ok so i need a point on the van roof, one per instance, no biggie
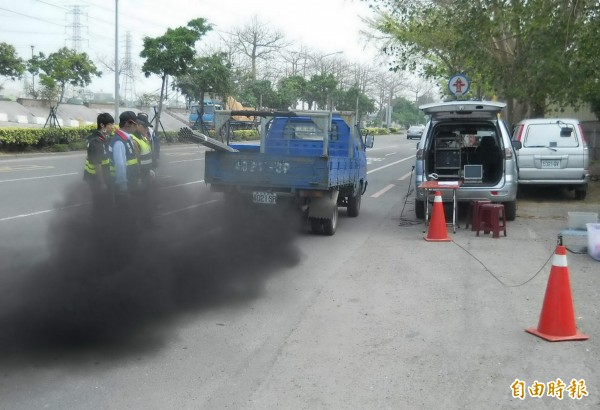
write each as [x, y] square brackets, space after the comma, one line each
[463, 109]
[548, 121]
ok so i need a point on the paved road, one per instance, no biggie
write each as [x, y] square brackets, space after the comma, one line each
[210, 312]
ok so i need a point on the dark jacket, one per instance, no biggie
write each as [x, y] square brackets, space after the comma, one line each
[97, 157]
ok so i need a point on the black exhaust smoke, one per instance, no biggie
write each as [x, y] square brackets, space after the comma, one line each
[118, 281]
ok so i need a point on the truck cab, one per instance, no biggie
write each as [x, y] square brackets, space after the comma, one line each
[208, 117]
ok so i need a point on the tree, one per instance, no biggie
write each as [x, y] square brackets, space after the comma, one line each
[259, 94]
[33, 67]
[172, 53]
[62, 68]
[257, 42]
[320, 90]
[407, 113]
[517, 50]
[290, 90]
[11, 65]
[207, 74]
[354, 100]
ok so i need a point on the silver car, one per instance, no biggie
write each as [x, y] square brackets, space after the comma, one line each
[466, 141]
[415, 131]
[553, 152]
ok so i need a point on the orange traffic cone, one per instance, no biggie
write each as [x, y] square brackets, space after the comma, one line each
[557, 320]
[437, 225]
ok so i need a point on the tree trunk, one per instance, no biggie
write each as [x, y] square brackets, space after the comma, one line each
[538, 110]
[160, 102]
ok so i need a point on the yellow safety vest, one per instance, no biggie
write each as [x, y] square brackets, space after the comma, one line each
[145, 154]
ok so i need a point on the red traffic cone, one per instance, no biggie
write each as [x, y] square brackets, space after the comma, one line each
[437, 225]
[557, 320]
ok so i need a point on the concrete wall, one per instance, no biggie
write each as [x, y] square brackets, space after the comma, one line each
[27, 112]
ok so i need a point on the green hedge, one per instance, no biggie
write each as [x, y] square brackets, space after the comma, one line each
[15, 139]
[376, 131]
[74, 138]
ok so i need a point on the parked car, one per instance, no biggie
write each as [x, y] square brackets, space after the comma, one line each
[415, 131]
[553, 152]
[466, 141]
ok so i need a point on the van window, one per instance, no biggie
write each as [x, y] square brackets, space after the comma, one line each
[548, 135]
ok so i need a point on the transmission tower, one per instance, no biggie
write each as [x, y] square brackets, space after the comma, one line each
[75, 26]
[127, 71]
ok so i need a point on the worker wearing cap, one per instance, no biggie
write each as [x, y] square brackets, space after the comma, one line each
[152, 137]
[142, 146]
[124, 163]
[96, 171]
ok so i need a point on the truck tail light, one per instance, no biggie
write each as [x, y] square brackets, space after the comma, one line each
[420, 154]
[508, 154]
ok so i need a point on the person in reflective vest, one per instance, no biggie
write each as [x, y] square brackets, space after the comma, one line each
[144, 150]
[151, 136]
[96, 171]
[124, 164]
[143, 147]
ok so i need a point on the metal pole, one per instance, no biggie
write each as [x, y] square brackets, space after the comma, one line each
[32, 75]
[116, 59]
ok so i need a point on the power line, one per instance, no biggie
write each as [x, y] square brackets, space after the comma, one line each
[32, 17]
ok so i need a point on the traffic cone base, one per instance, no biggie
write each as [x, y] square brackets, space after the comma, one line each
[557, 320]
[552, 338]
[437, 225]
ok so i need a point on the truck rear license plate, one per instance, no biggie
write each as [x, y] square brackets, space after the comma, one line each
[264, 197]
[550, 163]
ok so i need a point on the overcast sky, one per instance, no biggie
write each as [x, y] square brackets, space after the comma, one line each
[324, 26]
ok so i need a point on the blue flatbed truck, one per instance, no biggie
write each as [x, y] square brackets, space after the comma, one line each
[313, 160]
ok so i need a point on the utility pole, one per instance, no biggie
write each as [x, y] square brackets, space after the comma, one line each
[32, 75]
[116, 60]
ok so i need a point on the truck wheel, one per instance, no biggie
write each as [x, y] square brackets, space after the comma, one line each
[511, 210]
[419, 209]
[354, 203]
[330, 224]
[316, 226]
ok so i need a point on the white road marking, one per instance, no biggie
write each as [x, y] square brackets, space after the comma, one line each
[382, 191]
[184, 184]
[403, 177]
[187, 208]
[391, 153]
[42, 177]
[390, 164]
[45, 211]
[24, 168]
[185, 160]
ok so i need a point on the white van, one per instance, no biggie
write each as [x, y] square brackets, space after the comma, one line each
[553, 152]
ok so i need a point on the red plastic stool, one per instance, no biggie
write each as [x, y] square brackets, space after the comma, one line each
[491, 216]
[473, 213]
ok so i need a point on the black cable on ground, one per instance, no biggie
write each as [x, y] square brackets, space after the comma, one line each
[496, 277]
[407, 221]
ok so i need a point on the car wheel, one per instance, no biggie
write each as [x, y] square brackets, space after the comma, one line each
[420, 209]
[580, 194]
[511, 210]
